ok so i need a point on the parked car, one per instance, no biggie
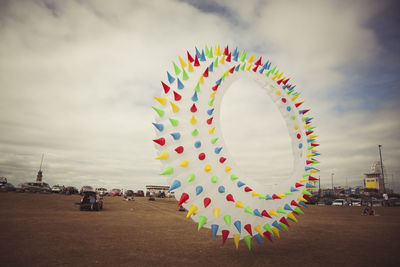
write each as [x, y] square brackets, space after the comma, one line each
[69, 190]
[116, 192]
[129, 195]
[86, 188]
[36, 187]
[355, 202]
[91, 201]
[139, 193]
[3, 180]
[56, 188]
[102, 191]
[339, 202]
[6, 187]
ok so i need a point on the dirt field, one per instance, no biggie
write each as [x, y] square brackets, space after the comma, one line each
[49, 230]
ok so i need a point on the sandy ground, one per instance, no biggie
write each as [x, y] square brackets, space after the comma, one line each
[49, 230]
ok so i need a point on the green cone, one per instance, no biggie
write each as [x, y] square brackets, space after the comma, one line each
[227, 219]
[248, 210]
[243, 56]
[191, 177]
[233, 177]
[280, 210]
[247, 239]
[167, 171]
[214, 179]
[185, 76]
[267, 227]
[284, 226]
[177, 69]
[197, 88]
[195, 132]
[214, 140]
[202, 221]
[160, 112]
[174, 122]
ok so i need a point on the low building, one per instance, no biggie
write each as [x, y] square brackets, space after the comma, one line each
[157, 190]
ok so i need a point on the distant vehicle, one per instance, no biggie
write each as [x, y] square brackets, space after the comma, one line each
[56, 188]
[36, 187]
[91, 201]
[7, 187]
[139, 193]
[69, 190]
[339, 202]
[355, 202]
[102, 191]
[86, 188]
[3, 180]
[129, 195]
[116, 192]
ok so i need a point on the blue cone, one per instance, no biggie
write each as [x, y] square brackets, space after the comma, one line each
[293, 189]
[237, 68]
[214, 230]
[221, 189]
[170, 78]
[268, 197]
[258, 239]
[217, 150]
[240, 184]
[210, 111]
[199, 189]
[198, 53]
[287, 207]
[238, 226]
[180, 85]
[257, 213]
[211, 67]
[176, 136]
[303, 204]
[195, 97]
[276, 224]
[202, 57]
[176, 184]
[159, 126]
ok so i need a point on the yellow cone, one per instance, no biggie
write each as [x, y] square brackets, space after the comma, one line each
[163, 156]
[216, 212]
[201, 80]
[291, 216]
[278, 92]
[251, 58]
[161, 100]
[248, 67]
[302, 180]
[212, 95]
[227, 169]
[190, 68]
[183, 64]
[184, 163]
[281, 195]
[211, 130]
[207, 168]
[239, 204]
[294, 98]
[254, 194]
[217, 51]
[276, 231]
[236, 238]
[192, 210]
[300, 198]
[258, 230]
[193, 120]
[174, 107]
[222, 60]
[273, 212]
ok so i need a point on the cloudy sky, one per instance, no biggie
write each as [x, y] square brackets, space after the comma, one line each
[77, 80]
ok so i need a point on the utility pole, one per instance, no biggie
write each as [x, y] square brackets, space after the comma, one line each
[383, 175]
[332, 182]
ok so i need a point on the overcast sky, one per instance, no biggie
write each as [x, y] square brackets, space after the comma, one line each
[77, 80]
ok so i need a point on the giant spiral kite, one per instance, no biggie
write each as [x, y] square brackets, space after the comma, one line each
[202, 174]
